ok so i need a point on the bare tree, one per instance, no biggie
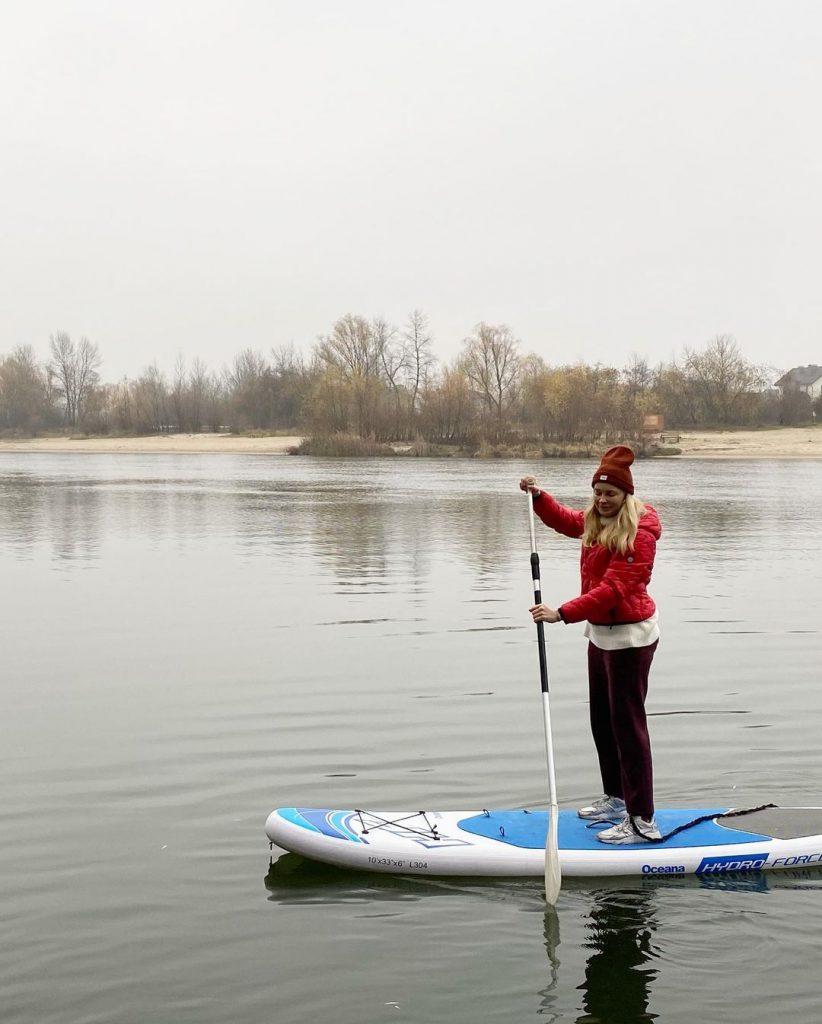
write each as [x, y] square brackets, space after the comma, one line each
[447, 409]
[492, 365]
[353, 348]
[247, 369]
[178, 392]
[533, 379]
[150, 401]
[292, 384]
[675, 395]
[198, 389]
[352, 351]
[24, 403]
[419, 359]
[392, 360]
[725, 382]
[638, 376]
[74, 369]
[249, 382]
[121, 406]
[196, 397]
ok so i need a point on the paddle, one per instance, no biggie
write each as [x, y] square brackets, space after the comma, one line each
[553, 875]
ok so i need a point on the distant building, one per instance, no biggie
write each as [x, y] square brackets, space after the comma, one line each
[802, 378]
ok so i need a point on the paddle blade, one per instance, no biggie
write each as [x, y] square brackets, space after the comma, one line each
[553, 873]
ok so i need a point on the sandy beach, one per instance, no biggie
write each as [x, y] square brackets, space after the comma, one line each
[776, 443]
[165, 444]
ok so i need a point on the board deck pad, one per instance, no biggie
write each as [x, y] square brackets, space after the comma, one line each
[781, 822]
[529, 829]
[489, 843]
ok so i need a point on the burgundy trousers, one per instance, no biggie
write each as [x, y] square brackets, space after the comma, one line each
[617, 687]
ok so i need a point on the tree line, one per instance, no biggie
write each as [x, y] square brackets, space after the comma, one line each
[378, 381]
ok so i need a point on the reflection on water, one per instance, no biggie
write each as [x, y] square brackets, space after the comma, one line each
[352, 537]
[548, 1009]
[293, 879]
[68, 519]
[362, 535]
[367, 527]
[622, 927]
[619, 971]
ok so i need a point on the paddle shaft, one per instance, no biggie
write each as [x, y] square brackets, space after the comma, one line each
[543, 661]
[552, 868]
[543, 676]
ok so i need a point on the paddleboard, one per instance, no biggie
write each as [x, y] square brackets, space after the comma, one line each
[511, 843]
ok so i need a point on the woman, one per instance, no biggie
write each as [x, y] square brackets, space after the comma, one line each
[619, 535]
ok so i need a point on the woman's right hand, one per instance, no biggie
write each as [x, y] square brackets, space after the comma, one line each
[542, 613]
[528, 483]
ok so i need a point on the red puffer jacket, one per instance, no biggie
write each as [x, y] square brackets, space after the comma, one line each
[613, 585]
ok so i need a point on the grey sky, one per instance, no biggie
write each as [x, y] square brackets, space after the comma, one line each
[197, 177]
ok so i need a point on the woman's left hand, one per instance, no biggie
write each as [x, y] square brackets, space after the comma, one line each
[542, 613]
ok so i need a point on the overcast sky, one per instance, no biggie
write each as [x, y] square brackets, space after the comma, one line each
[606, 177]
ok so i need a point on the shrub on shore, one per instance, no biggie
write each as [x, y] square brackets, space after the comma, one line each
[341, 446]
[352, 446]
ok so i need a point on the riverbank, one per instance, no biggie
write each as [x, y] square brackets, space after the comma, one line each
[154, 444]
[774, 443]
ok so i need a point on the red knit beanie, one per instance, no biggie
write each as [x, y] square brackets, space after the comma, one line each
[615, 468]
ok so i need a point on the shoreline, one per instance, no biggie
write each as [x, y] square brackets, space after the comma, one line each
[767, 443]
[155, 444]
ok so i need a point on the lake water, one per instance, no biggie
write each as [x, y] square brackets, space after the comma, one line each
[191, 641]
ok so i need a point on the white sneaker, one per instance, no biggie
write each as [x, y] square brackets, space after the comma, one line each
[630, 830]
[607, 808]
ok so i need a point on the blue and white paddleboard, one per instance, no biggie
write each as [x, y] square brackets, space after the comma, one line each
[512, 843]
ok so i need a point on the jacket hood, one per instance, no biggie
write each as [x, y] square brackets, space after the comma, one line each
[650, 522]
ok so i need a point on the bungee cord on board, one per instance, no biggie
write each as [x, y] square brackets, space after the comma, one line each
[694, 822]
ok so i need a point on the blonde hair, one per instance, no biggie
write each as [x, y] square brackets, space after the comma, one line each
[616, 533]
